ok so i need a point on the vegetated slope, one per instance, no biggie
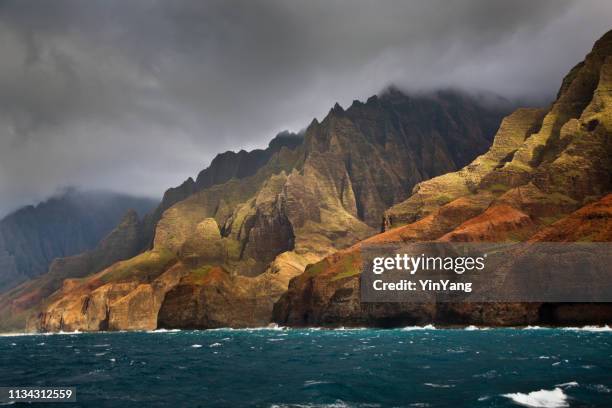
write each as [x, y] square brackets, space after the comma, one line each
[132, 236]
[224, 254]
[71, 223]
[547, 177]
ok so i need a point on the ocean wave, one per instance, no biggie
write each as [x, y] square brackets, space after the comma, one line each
[40, 334]
[163, 331]
[605, 328]
[474, 328]
[426, 327]
[342, 328]
[555, 398]
[311, 383]
[433, 385]
[568, 384]
[337, 404]
[271, 326]
[196, 345]
[600, 388]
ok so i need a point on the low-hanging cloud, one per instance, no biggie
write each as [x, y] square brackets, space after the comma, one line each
[136, 96]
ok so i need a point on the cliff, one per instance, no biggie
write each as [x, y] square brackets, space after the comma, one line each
[123, 242]
[546, 177]
[226, 245]
[65, 225]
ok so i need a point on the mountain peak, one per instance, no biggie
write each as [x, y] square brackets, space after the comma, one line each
[604, 44]
[337, 109]
[286, 139]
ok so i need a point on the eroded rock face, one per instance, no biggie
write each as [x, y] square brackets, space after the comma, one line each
[240, 239]
[541, 161]
[545, 178]
[32, 237]
[122, 243]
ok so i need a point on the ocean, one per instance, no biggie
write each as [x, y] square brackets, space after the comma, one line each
[411, 367]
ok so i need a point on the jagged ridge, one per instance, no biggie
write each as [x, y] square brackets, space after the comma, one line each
[224, 255]
[544, 167]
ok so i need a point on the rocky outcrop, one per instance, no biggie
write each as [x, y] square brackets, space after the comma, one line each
[122, 243]
[224, 167]
[432, 194]
[228, 247]
[591, 223]
[545, 178]
[540, 159]
[69, 224]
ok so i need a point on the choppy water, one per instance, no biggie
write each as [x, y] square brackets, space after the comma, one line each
[285, 368]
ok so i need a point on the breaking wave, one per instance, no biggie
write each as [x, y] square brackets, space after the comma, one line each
[555, 398]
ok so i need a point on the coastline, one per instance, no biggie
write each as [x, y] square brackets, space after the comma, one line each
[587, 328]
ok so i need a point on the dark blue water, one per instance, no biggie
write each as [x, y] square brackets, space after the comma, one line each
[362, 368]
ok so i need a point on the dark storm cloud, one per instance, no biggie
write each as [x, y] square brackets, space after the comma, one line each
[138, 95]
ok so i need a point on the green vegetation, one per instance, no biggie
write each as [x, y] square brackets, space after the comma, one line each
[316, 269]
[443, 199]
[550, 220]
[197, 276]
[349, 266]
[145, 266]
[558, 198]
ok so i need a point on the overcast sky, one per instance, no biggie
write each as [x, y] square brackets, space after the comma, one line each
[136, 96]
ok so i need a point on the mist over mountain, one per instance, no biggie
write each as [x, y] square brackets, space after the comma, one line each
[545, 178]
[71, 222]
[223, 246]
[137, 96]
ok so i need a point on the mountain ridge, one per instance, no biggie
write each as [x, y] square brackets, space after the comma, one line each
[546, 177]
[63, 225]
[245, 238]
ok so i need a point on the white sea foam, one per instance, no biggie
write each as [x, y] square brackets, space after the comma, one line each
[568, 384]
[342, 328]
[216, 345]
[427, 327]
[600, 388]
[311, 383]
[433, 385]
[271, 326]
[14, 334]
[605, 328]
[164, 331]
[337, 404]
[555, 398]
[196, 345]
